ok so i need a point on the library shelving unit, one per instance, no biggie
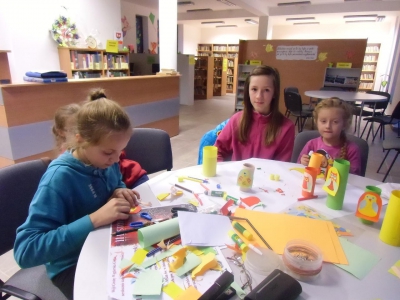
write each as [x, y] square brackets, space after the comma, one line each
[203, 77]
[368, 73]
[242, 74]
[229, 51]
[347, 79]
[219, 80]
[93, 63]
[5, 75]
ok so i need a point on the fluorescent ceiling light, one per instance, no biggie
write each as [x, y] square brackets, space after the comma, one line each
[213, 22]
[294, 3]
[227, 2]
[361, 21]
[199, 9]
[380, 18]
[226, 26]
[185, 3]
[299, 19]
[250, 21]
[359, 16]
[306, 23]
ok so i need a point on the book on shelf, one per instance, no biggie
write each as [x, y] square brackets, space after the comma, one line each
[46, 74]
[45, 80]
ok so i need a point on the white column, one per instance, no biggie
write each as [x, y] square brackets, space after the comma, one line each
[262, 27]
[168, 15]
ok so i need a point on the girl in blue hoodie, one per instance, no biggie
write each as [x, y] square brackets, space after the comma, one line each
[80, 191]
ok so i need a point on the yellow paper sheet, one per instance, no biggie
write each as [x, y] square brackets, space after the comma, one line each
[190, 294]
[173, 290]
[139, 256]
[278, 229]
[112, 46]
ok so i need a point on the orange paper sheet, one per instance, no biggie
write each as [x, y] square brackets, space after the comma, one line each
[278, 229]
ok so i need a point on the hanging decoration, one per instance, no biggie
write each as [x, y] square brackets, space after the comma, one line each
[64, 32]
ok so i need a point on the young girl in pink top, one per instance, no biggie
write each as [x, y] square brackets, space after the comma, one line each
[333, 118]
[260, 130]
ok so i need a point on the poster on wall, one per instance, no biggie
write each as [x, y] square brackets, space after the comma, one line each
[296, 52]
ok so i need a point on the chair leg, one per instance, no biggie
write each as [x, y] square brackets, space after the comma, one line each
[303, 123]
[376, 132]
[369, 132]
[391, 165]
[383, 160]
[355, 124]
[364, 129]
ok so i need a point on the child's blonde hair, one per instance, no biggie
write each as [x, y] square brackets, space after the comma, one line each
[347, 114]
[97, 119]
[61, 118]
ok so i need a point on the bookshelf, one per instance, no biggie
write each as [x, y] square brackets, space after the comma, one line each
[5, 75]
[347, 79]
[228, 51]
[220, 78]
[368, 72]
[203, 77]
[243, 71]
[93, 63]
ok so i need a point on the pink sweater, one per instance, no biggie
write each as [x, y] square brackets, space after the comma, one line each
[230, 148]
[353, 153]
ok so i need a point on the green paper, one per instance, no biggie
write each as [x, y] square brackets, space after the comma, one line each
[206, 250]
[151, 17]
[160, 256]
[343, 167]
[360, 260]
[125, 263]
[241, 294]
[191, 262]
[155, 233]
[148, 282]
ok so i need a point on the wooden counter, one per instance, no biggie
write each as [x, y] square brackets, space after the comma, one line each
[27, 110]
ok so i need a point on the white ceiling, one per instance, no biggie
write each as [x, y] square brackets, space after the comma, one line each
[324, 11]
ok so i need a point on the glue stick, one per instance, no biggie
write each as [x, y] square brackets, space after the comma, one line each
[242, 230]
[238, 240]
[235, 200]
[214, 193]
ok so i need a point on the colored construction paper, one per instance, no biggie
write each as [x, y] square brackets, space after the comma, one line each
[148, 282]
[278, 229]
[160, 256]
[153, 234]
[343, 167]
[125, 263]
[206, 250]
[395, 269]
[208, 262]
[195, 250]
[192, 261]
[190, 294]
[112, 46]
[139, 256]
[360, 260]
[173, 290]
[194, 229]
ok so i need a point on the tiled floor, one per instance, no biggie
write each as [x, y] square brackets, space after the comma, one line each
[205, 115]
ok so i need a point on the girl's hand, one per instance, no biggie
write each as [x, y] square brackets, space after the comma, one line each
[305, 159]
[115, 209]
[129, 195]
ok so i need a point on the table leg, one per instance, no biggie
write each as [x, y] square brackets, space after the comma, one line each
[359, 120]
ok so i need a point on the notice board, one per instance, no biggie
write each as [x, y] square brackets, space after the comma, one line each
[302, 63]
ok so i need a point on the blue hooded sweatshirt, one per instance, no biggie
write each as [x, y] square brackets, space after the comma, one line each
[58, 221]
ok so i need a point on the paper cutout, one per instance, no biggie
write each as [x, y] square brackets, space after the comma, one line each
[194, 250]
[162, 196]
[332, 182]
[250, 201]
[269, 48]
[208, 261]
[179, 257]
[360, 260]
[112, 46]
[369, 207]
[208, 250]
[191, 262]
[152, 17]
[322, 56]
[160, 256]
[148, 282]
[135, 210]
[194, 202]
[245, 177]
[308, 185]
[278, 229]
[139, 256]
[173, 290]
[129, 275]
[190, 294]
[395, 269]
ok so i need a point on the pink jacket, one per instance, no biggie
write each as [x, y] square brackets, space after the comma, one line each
[230, 148]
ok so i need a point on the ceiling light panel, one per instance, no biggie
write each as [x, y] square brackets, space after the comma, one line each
[300, 19]
[219, 26]
[251, 21]
[181, 3]
[360, 16]
[307, 23]
[213, 22]
[199, 9]
[294, 3]
[361, 21]
[227, 2]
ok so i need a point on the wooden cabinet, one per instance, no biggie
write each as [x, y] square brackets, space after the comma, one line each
[5, 75]
[368, 73]
[243, 71]
[219, 80]
[228, 51]
[93, 63]
[203, 77]
[346, 79]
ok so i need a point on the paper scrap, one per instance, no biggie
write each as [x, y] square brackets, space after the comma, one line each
[191, 262]
[179, 258]
[360, 260]
[278, 229]
[190, 294]
[139, 256]
[148, 282]
[192, 228]
[160, 256]
[173, 290]
[395, 269]
[195, 250]
[208, 261]
[206, 250]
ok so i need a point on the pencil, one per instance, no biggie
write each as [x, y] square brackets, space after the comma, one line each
[124, 231]
[183, 188]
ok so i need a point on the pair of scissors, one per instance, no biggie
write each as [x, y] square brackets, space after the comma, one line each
[146, 216]
[136, 225]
